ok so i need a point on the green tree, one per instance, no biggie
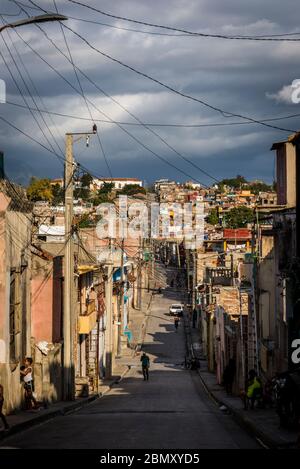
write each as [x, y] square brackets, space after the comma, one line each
[106, 188]
[86, 180]
[39, 189]
[58, 194]
[213, 218]
[235, 183]
[257, 187]
[82, 193]
[104, 194]
[239, 217]
[132, 189]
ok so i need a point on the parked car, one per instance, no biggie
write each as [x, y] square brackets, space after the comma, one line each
[176, 310]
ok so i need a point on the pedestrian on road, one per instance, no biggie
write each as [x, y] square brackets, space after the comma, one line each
[26, 374]
[2, 416]
[145, 366]
[176, 323]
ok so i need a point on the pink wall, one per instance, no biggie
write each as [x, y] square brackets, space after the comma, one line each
[42, 306]
[46, 310]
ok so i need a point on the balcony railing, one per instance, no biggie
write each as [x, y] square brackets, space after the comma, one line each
[219, 276]
[87, 320]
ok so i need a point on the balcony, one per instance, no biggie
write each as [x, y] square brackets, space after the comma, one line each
[219, 276]
[87, 321]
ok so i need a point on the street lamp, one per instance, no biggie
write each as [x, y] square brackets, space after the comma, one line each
[35, 19]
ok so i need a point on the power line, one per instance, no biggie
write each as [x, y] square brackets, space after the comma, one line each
[85, 20]
[25, 101]
[155, 33]
[44, 146]
[83, 95]
[21, 92]
[174, 90]
[102, 112]
[116, 102]
[179, 154]
[152, 124]
[185, 31]
[37, 93]
[124, 108]
[168, 87]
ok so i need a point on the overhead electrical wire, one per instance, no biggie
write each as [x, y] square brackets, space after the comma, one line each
[121, 106]
[102, 112]
[174, 90]
[36, 91]
[156, 33]
[179, 154]
[126, 110]
[22, 94]
[151, 124]
[83, 95]
[10, 124]
[185, 31]
[251, 120]
[168, 87]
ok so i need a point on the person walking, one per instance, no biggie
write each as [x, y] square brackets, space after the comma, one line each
[176, 323]
[145, 366]
[2, 416]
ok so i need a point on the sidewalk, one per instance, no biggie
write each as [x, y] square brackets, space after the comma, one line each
[25, 419]
[263, 423]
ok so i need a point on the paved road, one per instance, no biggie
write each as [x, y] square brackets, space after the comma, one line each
[171, 410]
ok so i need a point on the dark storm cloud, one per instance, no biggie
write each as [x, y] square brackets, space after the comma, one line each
[238, 76]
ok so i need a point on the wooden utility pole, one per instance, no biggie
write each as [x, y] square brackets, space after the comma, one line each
[121, 303]
[109, 317]
[188, 273]
[139, 275]
[68, 319]
[69, 306]
[178, 255]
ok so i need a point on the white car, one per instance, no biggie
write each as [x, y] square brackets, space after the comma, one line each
[176, 310]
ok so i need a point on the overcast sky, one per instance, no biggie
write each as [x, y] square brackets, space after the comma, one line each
[242, 77]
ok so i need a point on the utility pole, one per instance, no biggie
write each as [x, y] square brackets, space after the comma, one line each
[178, 254]
[139, 275]
[152, 253]
[68, 302]
[68, 320]
[109, 318]
[188, 273]
[194, 280]
[121, 303]
[242, 335]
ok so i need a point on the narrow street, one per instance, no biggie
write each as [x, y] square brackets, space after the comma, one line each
[171, 410]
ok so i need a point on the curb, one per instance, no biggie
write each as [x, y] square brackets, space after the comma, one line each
[65, 410]
[263, 439]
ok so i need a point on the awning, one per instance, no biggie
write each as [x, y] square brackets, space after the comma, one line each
[83, 269]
